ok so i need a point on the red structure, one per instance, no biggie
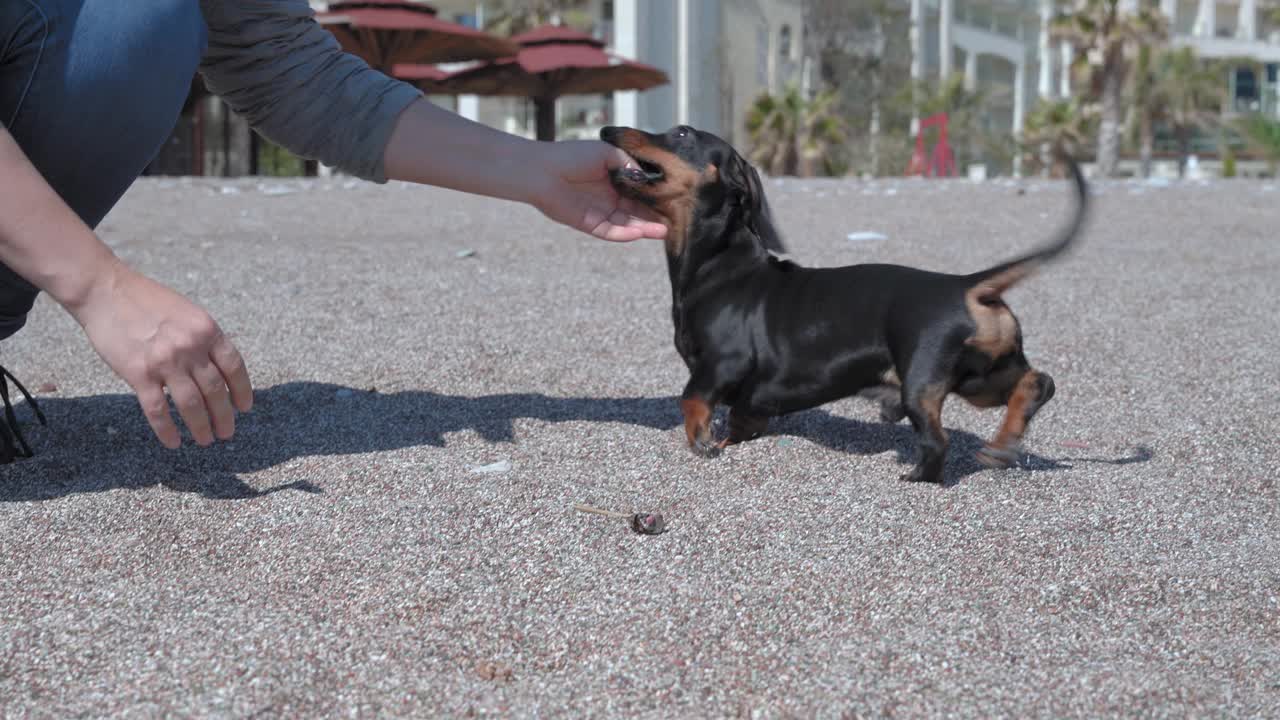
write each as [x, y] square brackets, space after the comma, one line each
[942, 161]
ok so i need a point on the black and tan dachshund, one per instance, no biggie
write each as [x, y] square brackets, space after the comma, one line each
[765, 336]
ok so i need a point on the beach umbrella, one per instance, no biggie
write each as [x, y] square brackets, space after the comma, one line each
[552, 61]
[386, 33]
[428, 78]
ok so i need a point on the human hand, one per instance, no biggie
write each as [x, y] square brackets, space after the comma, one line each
[154, 339]
[577, 192]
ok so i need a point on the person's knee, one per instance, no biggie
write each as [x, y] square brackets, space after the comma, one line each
[130, 67]
[168, 48]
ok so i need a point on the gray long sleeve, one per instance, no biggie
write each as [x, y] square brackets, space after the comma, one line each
[288, 76]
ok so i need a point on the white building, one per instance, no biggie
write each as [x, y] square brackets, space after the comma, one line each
[1233, 29]
[1005, 47]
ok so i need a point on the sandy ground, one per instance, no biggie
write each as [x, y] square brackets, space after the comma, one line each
[342, 557]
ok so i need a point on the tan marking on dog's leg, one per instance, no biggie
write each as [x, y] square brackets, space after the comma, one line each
[697, 422]
[1001, 451]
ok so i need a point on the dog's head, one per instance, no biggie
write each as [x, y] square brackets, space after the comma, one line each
[689, 177]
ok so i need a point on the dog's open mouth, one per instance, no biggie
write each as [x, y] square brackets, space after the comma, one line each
[640, 172]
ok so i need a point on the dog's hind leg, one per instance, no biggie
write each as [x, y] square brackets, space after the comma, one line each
[888, 393]
[1033, 390]
[889, 397]
[923, 406]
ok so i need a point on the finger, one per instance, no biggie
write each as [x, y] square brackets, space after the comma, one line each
[234, 372]
[217, 399]
[155, 407]
[190, 403]
[616, 233]
[649, 222]
[616, 157]
[638, 226]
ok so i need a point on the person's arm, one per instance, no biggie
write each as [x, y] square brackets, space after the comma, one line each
[288, 76]
[568, 181]
[276, 66]
[152, 337]
[41, 238]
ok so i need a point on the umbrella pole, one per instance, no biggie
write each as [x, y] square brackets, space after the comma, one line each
[545, 118]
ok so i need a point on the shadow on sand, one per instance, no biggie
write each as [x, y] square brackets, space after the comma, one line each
[78, 453]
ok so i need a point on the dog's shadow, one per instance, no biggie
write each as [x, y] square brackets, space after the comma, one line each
[875, 438]
[101, 443]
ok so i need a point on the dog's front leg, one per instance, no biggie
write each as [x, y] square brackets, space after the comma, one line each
[698, 403]
[744, 426]
[1033, 390]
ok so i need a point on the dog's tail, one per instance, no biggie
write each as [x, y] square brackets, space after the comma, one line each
[994, 281]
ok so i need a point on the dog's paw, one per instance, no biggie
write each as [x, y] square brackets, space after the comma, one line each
[707, 448]
[918, 475]
[997, 458]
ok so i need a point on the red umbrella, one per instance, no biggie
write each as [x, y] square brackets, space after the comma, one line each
[553, 61]
[428, 78]
[389, 32]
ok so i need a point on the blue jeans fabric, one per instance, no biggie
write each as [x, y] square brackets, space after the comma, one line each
[91, 90]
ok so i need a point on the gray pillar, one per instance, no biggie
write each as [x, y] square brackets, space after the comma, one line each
[1207, 19]
[626, 43]
[1064, 80]
[1019, 95]
[1019, 109]
[917, 54]
[1247, 20]
[1045, 56]
[946, 18]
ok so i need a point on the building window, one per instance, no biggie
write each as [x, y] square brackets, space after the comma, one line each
[606, 9]
[1273, 73]
[784, 42]
[1246, 84]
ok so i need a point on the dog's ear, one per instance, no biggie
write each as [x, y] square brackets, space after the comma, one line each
[745, 185]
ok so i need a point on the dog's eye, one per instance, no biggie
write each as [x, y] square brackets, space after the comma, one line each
[682, 131]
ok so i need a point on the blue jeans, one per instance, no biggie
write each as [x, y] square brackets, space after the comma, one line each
[91, 90]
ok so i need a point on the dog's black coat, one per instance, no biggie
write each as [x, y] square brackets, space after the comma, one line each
[767, 337]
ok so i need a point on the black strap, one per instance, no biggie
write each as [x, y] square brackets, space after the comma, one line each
[9, 431]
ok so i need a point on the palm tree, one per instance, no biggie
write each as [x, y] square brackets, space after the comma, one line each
[792, 136]
[1176, 87]
[1107, 40]
[512, 17]
[1058, 127]
[1262, 134]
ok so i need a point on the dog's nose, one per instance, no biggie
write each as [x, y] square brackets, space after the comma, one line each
[609, 132]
